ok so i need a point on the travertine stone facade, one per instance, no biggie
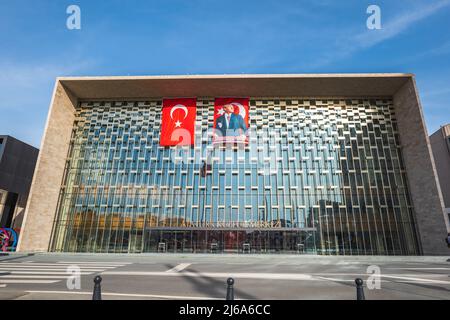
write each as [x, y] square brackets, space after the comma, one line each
[421, 172]
[44, 193]
[440, 143]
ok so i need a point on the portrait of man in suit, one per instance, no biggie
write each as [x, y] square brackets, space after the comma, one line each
[230, 124]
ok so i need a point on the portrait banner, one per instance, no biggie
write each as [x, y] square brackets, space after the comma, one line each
[231, 120]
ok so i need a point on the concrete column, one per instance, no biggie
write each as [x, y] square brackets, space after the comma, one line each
[44, 193]
[432, 223]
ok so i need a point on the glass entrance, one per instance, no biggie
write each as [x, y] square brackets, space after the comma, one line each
[229, 241]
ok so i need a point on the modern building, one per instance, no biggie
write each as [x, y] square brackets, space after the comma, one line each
[17, 163]
[334, 164]
[440, 144]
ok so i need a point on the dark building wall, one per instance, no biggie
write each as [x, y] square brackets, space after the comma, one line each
[17, 166]
[17, 163]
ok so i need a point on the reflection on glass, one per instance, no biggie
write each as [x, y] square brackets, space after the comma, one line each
[337, 186]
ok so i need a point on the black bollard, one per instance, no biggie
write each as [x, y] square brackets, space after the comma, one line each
[97, 295]
[230, 289]
[359, 289]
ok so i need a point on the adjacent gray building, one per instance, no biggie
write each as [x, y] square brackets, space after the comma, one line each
[440, 144]
[17, 162]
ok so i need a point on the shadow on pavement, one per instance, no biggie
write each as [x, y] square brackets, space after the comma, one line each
[429, 286]
[15, 258]
[212, 287]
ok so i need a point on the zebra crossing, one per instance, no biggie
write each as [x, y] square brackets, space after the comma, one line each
[49, 272]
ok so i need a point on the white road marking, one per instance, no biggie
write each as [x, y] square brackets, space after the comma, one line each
[15, 276]
[46, 269]
[126, 295]
[415, 279]
[35, 273]
[42, 272]
[2, 285]
[51, 266]
[342, 280]
[179, 267]
[22, 265]
[94, 262]
[272, 276]
[264, 276]
[365, 274]
[418, 268]
[405, 280]
[28, 281]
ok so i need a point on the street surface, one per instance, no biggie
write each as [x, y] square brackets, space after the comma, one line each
[190, 276]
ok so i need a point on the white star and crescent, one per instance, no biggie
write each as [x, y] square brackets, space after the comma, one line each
[178, 123]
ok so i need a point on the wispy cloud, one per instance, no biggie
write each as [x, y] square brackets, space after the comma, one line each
[443, 49]
[21, 83]
[436, 92]
[398, 25]
[25, 93]
[347, 46]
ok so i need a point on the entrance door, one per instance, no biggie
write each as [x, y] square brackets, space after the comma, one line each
[230, 241]
[275, 241]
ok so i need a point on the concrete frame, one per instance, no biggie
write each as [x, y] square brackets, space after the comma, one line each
[431, 221]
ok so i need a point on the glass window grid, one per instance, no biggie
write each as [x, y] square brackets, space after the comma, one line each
[340, 172]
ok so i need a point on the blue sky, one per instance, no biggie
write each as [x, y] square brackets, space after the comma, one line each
[215, 37]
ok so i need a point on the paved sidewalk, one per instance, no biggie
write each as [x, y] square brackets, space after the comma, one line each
[202, 276]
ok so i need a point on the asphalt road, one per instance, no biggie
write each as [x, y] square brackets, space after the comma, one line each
[186, 276]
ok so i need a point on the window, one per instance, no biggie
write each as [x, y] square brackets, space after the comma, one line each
[334, 165]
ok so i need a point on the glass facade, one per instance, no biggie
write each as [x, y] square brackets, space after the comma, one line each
[319, 176]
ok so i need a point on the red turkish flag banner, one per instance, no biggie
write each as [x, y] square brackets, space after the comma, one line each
[231, 120]
[178, 122]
